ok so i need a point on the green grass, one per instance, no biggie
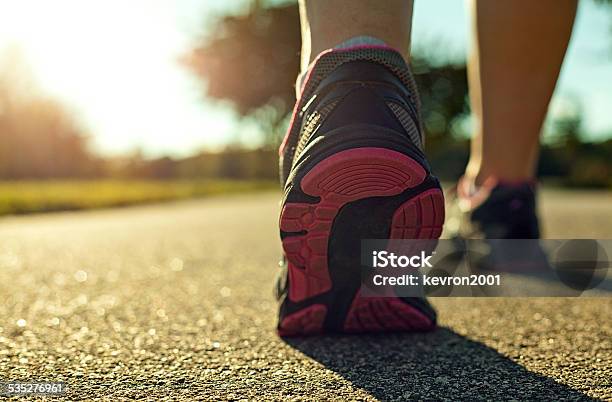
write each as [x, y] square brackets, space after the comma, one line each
[22, 197]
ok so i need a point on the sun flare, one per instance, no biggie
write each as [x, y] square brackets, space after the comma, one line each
[115, 64]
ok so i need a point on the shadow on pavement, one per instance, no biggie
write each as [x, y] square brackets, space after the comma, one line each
[438, 365]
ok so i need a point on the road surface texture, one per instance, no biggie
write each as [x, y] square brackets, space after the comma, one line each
[174, 301]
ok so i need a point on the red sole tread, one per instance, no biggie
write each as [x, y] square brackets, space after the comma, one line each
[342, 178]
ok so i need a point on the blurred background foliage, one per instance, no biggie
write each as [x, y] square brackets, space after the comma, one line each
[251, 60]
[263, 46]
[39, 136]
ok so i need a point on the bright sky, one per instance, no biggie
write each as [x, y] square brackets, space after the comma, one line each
[115, 63]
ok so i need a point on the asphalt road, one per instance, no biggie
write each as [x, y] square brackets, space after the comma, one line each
[174, 301]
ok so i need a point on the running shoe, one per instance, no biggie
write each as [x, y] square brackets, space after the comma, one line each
[493, 211]
[352, 168]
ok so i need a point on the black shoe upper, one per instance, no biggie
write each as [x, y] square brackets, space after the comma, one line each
[509, 212]
[353, 89]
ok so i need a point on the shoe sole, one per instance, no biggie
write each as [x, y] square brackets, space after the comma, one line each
[359, 193]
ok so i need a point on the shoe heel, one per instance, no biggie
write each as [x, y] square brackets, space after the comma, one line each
[342, 178]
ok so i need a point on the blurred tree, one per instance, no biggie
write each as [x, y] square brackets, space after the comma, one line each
[39, 138]
[252, 60]
[581, 163]
[443, 91]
